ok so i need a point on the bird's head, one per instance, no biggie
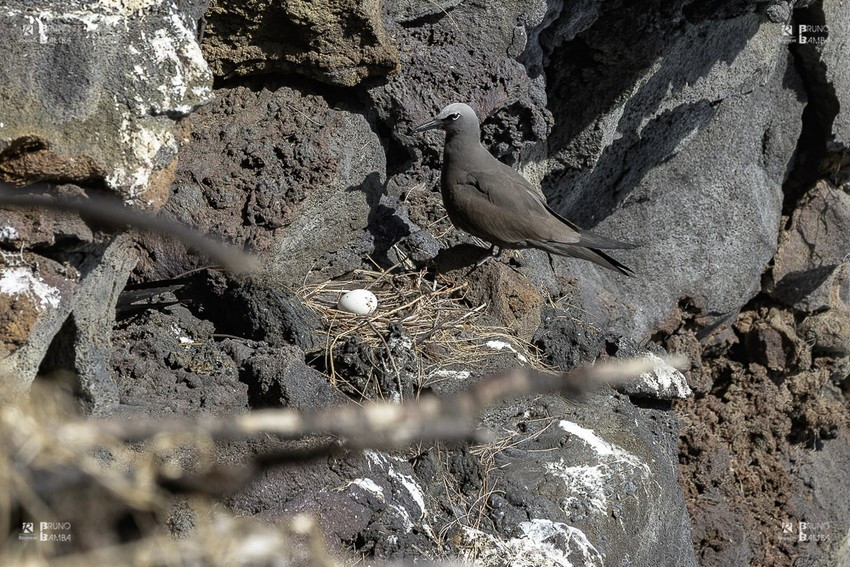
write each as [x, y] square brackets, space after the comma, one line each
[456, 117]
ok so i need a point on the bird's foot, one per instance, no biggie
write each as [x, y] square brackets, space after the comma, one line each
[489, 255]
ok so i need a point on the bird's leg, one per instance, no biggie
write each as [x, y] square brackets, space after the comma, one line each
[489, 255]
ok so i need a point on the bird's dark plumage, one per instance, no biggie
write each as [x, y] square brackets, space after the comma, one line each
[488, 199]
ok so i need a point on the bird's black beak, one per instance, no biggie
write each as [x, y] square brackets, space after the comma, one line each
[430, 125]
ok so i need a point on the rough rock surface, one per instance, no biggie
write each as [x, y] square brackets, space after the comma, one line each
[770, 396]
[166, 363]
[128, 70]
[694, 129]
[341, 42]
[299, 180]
[576, 477]
[90, 94]
[812, 249]
[60, 317]
[469, 54]
[720, 144]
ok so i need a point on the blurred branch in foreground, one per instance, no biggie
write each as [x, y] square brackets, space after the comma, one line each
[49, 455]
[111, 212]
[384, 425]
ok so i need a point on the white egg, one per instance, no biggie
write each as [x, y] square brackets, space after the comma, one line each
[358, 301]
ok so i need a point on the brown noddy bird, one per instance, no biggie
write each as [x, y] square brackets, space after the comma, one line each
[490, 200]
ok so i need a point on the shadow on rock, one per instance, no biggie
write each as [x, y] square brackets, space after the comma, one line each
[384, 224]
[458, 257]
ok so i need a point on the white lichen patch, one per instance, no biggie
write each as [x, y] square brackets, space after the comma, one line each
[600, 446]
[586, 484]
[21, 281]
[9, 233]
[545, 531]
[46, 26]
[544, 543]
[182, 336]
[142, 145]
[445, 374]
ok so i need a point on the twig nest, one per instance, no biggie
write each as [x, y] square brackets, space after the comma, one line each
[358, 301]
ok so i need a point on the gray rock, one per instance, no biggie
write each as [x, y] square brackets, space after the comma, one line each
[824, 519]
[567, 339]
[595, 484]
[93, 318]
[811, 250]
[129, 70]
[74, 311]
[668, 175]
[36, 296]
[405, 11]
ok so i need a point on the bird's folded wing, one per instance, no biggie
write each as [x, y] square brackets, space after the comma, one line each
[508, 191]
[510, 201]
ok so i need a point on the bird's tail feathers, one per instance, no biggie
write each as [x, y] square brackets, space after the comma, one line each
[595, 256]
[593, 240]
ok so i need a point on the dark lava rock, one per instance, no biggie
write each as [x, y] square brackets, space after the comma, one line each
[279, 377]
[167, 363]
[259, 309]
[284, 173]
[568, 341]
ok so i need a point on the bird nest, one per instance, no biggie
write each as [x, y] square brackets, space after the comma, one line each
[432, 310]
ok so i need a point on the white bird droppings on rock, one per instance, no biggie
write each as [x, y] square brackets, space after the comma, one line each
[502, 345]
[8, 233]
[544, 543]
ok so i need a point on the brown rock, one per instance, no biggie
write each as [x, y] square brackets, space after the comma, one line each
[29, 286]
[828, 332]
[340, 42]
[772, 342]
[511, 298]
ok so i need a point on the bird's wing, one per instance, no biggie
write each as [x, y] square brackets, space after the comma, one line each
[509, 191]
[505, 205]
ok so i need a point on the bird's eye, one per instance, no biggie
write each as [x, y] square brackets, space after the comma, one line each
[454, 116]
